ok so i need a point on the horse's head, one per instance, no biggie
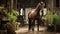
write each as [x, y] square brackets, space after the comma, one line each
[41, 5]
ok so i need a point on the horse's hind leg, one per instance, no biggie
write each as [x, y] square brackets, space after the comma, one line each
[37, 26]
[29, 28]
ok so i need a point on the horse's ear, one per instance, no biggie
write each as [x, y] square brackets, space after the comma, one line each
[39, 4]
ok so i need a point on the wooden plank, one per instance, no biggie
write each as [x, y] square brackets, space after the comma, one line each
[3, 31]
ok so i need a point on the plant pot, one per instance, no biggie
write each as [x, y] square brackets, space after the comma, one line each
[57, 28]
[50, 28]
[11, 29]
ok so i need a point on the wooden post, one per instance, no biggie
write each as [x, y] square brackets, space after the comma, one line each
[11, 5]
[16, 4]
[50, 4]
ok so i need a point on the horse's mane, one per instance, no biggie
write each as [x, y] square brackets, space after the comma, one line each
[38, 7]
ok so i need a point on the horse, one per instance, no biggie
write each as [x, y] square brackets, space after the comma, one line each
[35, 15]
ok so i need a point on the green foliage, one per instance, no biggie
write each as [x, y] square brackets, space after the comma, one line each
[15, 13]
[12, 16]
[49, 18]
[56, 18]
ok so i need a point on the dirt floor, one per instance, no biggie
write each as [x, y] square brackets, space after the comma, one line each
[24, 30]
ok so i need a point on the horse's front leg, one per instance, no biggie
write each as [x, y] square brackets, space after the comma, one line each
[33, 24]
[38, 23]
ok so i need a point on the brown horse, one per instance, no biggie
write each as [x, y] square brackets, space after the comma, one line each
[35, 15]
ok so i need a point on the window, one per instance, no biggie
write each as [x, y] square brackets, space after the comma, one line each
[57, 3]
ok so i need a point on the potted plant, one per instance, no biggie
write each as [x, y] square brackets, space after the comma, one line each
[49, 20]
[11, 25]
[56, 21]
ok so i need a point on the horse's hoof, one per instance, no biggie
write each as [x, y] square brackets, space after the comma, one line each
[37, 30]
[29, 30]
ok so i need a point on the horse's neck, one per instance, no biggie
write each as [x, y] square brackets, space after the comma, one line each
[37, 9]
